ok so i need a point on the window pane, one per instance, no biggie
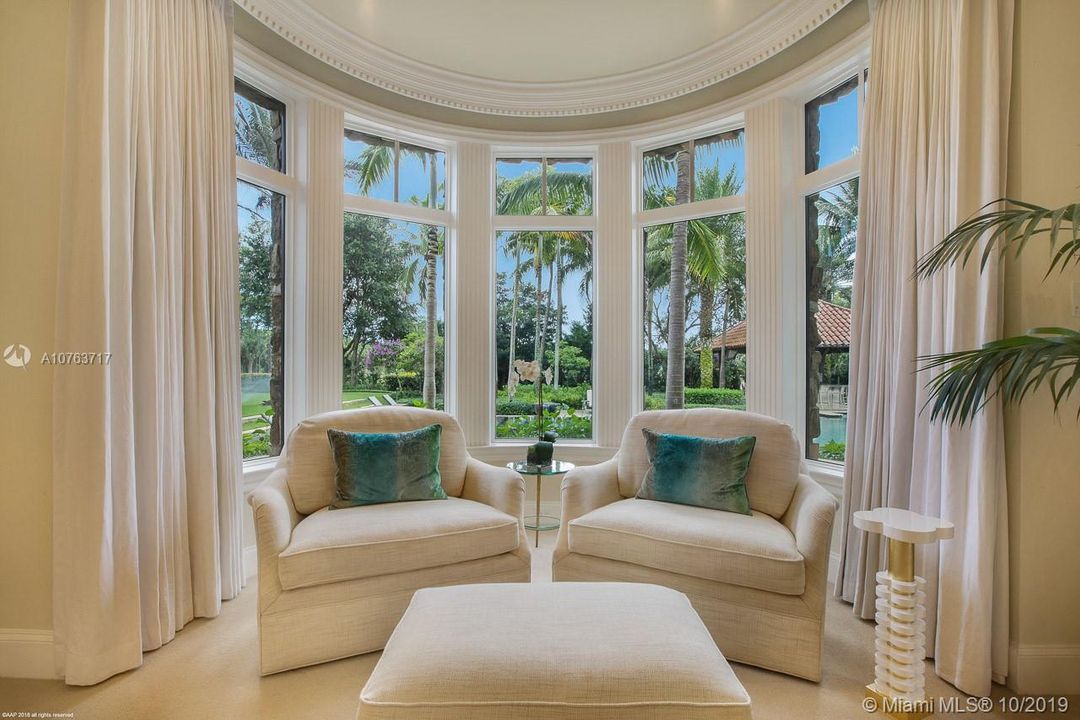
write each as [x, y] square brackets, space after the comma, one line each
[715, 330]
[422, 177]
[260, 217]
[832, 126]
[832, 223]
[544, 310]
[392, 313]
[660, 171]
[569, 186]
[259, 121]
[719, 165]
[518, 187]
[369, 165]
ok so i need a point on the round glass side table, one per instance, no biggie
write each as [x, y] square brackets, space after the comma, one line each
[539, 522]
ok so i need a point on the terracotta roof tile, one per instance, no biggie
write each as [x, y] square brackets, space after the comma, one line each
[833, 323]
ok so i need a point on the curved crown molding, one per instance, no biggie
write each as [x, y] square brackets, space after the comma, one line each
[761, 39]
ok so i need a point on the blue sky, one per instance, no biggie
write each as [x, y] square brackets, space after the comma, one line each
[839, 128]
[415, 180]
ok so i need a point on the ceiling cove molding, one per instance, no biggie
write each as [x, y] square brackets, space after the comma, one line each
[766, 36]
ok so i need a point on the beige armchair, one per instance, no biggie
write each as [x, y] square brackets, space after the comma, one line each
[757, 581]
[335, 583]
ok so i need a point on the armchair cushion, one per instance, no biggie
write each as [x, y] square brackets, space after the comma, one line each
[773, 471]
[753, 551]
[309, 459]
[375, 468]
[703, 472]
[359, 542]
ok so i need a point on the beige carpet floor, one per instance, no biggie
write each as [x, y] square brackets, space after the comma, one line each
[210, 671]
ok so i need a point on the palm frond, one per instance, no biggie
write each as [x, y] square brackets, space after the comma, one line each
[1013, 226]
[1012, 368]
[375, 163]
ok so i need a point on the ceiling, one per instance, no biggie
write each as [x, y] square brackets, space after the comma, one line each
[551, 41]
[542, 58]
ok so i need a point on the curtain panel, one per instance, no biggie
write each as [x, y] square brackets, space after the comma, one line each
[934, 151]
[146, 519]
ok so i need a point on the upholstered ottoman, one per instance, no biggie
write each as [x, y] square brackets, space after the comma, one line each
[562, 650]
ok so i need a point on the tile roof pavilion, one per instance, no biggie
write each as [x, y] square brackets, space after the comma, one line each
[833, 324]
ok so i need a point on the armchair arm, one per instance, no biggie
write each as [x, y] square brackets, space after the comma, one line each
[275, 518]
[499, 487]
[810, 520]
[583, 490]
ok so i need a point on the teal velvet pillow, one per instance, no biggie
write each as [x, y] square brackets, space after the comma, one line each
[705, 472]
[386, 467]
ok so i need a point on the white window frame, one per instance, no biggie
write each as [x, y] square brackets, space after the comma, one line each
[692, 210]
[807, 184]
[289, 186]
[540, 223]
[445, 218]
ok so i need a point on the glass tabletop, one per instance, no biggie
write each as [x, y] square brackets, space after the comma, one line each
[556, 467]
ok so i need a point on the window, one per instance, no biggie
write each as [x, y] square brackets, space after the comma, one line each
[543, 294]
[259, 122]
[544, 310]
[392, 312]
[712, 290]
[260, 127]
[832, 223]
[394, 171]
[544, 186]
[832, 219]
[832, 125]
[704, 169]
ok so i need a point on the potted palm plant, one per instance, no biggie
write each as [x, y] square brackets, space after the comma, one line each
[1011, 367]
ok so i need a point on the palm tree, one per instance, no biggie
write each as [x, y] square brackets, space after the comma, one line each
[716, 244]
[374, 164]
[676, 367]
[838, 223]
[1010, 367]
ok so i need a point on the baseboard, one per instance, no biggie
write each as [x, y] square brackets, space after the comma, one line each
[1044, 669]
[27, 654]
[251, 561]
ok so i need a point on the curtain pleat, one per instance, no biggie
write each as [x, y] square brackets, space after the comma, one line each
[147, 455]
[933, 152]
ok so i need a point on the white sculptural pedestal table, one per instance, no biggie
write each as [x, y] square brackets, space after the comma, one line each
[900, 643]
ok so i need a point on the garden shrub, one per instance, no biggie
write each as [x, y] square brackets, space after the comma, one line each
[724, 397]
[833, 450]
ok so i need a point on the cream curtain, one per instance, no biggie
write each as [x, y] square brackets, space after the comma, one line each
[147, 458]
[934, 150]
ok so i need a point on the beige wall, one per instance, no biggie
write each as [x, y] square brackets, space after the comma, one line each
[1043, 450]
[33, 37]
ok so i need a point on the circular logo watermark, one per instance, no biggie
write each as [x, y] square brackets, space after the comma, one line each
[17, 356]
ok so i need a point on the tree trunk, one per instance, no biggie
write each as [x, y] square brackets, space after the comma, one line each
[547, 314]
[676, 361]
[538, 270]
[559, 310]
[430, 329]
[723, 340]
[705, 337]
[513, 317]
[277, 332]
